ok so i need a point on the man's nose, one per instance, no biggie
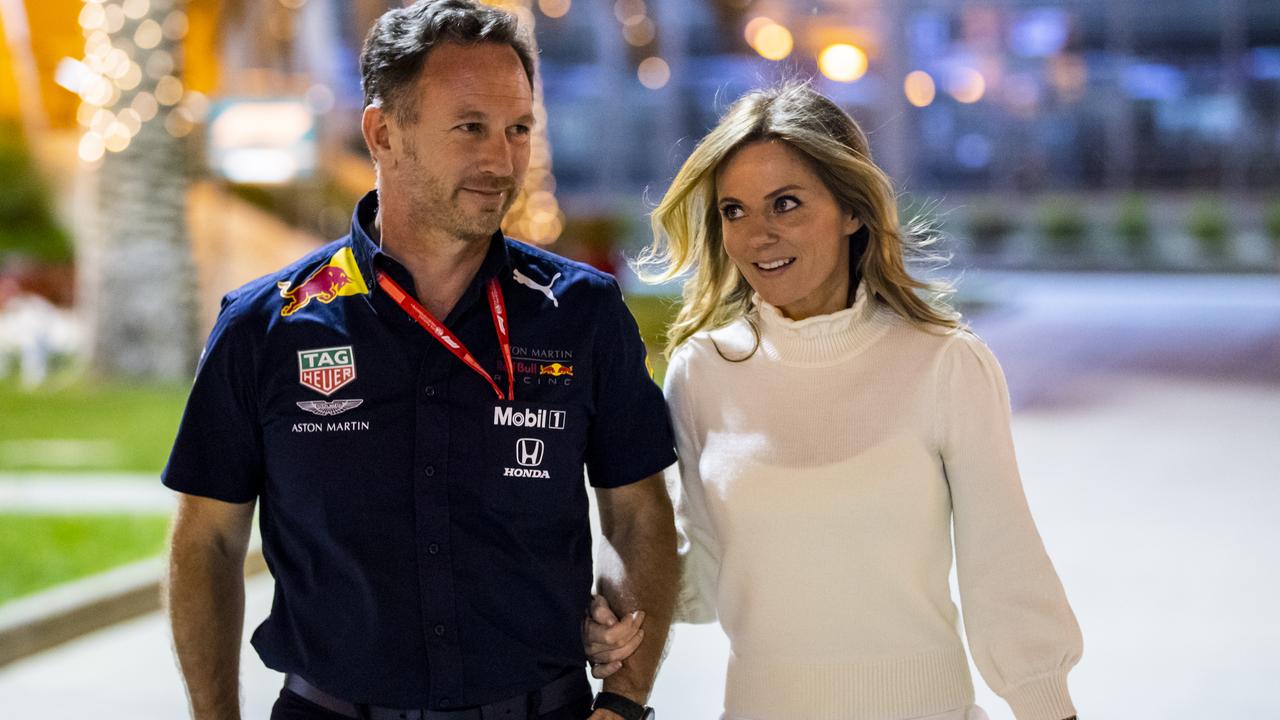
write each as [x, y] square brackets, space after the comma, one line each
[497, 156]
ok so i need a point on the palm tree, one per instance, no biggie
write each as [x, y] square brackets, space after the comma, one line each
[140, 280]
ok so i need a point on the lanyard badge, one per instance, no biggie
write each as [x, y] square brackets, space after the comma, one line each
[445, 336]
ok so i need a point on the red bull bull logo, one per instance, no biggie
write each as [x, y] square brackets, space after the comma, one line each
[340, 277]
[556, 370]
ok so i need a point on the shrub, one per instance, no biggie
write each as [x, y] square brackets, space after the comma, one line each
[27, 226]
[1064, 225]
[989, 226]
[1208, 224]
[1271, 223]
[1133, 226]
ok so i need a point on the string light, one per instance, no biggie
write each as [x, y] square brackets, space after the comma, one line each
[555, 8]
[774, 42]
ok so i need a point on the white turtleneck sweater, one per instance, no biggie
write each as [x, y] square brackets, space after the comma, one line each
[820, 480]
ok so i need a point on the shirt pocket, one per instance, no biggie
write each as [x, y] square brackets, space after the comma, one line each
[534, 463]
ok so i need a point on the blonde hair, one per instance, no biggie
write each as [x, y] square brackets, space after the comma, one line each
[687, 236]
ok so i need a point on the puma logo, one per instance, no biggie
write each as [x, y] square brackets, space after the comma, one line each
[544, 289]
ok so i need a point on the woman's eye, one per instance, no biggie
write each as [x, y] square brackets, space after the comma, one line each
[785, 203]
[731, 212]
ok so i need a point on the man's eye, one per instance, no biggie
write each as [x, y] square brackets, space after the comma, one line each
[471, 127]
[785, 203]
[520, 130]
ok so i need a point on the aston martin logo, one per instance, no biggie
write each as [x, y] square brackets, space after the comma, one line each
[335, 407]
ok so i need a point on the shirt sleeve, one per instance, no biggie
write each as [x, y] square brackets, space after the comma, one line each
[699, 549]
[218, 450]
[630, 437]
[1022, 633]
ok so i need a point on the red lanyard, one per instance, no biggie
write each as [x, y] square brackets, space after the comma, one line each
[497, 308]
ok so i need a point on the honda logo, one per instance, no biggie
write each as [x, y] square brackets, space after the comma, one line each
[529, 452]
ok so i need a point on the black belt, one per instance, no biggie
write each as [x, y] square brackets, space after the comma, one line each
[552, 696]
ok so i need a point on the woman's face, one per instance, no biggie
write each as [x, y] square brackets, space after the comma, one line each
[784, 230]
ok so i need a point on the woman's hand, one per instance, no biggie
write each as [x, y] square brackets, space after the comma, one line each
[608, 640]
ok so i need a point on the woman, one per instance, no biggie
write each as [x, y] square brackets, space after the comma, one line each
[834, 420]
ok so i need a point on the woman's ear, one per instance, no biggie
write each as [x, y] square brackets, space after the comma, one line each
[852, 225]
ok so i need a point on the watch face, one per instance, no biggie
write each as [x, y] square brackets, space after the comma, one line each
[649, 714]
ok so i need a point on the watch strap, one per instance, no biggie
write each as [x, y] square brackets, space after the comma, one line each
[624, 706]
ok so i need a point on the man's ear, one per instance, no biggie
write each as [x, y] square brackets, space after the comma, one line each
[376, 128]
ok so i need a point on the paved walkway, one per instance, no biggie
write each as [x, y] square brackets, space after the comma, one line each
[80, 493]
[1154, 487]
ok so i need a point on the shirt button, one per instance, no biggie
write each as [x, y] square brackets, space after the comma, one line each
[439, 630]
[429, 471]
[431, 392]
[433, 548]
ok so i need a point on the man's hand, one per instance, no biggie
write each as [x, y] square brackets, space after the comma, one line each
[638, 569]
[608, 640]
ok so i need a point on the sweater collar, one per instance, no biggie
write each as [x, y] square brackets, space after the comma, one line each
[821, 339]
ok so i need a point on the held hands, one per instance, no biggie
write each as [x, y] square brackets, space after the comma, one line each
[609, 641]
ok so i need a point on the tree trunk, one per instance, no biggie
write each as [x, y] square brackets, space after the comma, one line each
[143, 295]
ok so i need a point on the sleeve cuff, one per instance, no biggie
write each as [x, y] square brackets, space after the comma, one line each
[1045, 698]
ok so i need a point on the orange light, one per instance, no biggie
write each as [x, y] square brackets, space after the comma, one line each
[555, 8]
[753, 28]
[774, 42]
[843, 62]
[920, 88]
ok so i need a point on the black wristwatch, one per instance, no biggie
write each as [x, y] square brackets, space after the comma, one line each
[626, 707]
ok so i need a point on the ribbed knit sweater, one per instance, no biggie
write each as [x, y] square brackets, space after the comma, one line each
[820, 482]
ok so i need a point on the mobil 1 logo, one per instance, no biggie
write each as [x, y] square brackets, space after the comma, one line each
[540, 419]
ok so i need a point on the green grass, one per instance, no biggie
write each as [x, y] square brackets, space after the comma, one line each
[40, 551]
[105, 428]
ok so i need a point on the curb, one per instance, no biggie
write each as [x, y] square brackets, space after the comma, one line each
[46, 619]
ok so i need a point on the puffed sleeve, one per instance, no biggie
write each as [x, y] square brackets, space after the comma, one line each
[699, 549]
[1022, 633]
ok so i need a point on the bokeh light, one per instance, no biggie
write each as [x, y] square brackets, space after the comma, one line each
[654, 72]
[843, 62]
[774, 42]
[555, 8]
[920, 88]
[966, 85]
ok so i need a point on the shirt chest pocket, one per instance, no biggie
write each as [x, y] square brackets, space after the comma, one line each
[535, 458]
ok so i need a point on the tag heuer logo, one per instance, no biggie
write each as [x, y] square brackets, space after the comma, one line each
[326, 369]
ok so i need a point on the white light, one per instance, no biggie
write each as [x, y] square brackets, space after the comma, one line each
[148, 34]
[91, 147]
[71, 74]
[134, 9]
[257, 165]
[654, 72]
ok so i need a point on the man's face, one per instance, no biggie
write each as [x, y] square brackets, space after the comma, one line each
[462, 163]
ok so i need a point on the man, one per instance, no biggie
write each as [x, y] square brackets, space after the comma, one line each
[412, 406]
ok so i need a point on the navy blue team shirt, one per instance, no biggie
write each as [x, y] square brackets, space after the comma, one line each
[430, 544]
